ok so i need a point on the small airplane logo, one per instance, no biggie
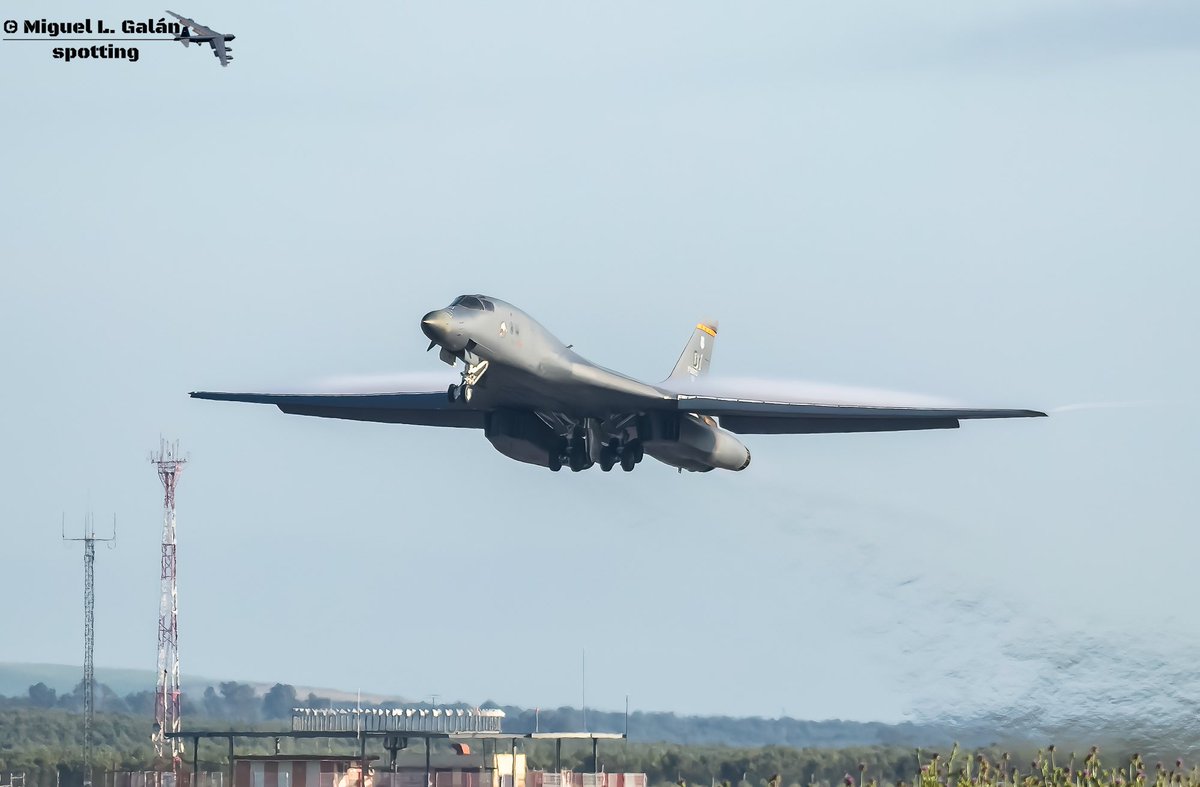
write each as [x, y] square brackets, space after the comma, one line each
[205, 35]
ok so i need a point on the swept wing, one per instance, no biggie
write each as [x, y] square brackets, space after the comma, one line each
[198, 28]
[423, 408]
[753, 416]
[218, 45]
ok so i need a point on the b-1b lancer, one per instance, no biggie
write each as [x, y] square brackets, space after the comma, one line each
[205, 35]
[538, 401]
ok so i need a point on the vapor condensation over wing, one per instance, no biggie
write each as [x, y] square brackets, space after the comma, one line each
[388, 383]
[361, 384]
[1070, 408]
[808, 391]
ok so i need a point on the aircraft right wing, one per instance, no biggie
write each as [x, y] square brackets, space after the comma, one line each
[431, 408]
[751, 416]
[196, 26]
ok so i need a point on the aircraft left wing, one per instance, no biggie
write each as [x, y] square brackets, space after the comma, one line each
[218, 45]
[425, 408]
[751, 416]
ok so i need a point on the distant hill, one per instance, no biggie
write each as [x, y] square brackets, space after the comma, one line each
[17, 677]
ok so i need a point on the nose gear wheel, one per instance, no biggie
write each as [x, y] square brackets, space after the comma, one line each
[471, 376]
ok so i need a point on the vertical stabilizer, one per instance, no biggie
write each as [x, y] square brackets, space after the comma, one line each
[697, 355]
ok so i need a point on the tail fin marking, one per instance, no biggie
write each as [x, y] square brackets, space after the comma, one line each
[697, 354]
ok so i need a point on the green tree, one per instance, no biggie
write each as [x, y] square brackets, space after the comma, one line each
[279, 701]
[42, 696]
[214, 706]
[241, 704]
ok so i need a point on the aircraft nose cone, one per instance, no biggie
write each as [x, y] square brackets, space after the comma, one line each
[436, 325]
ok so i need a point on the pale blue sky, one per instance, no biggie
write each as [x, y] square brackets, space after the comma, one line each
[996, 204]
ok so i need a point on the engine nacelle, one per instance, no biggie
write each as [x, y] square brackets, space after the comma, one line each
[521, 436]
[699, 446]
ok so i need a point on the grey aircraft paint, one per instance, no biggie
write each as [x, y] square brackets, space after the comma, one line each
[540, 402]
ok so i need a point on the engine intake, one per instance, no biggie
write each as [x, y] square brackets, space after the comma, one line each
[521, 436]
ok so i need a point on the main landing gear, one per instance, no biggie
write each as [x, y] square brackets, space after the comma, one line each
[470, 378]
[573, 452]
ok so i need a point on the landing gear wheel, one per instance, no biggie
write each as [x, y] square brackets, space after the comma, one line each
[452, 392]
[559, 455]
[610, 454]
[628, 460]
[467, 390]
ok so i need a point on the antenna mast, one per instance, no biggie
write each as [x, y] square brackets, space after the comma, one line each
[89, 634]
[169, 464]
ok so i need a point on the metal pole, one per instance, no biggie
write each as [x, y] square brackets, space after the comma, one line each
[428, 783]
[195, 762]
[514, 762]
[558, 755]
[595, 762]
[169, 464]
[231, 775]
[362, 758]
[89, 634]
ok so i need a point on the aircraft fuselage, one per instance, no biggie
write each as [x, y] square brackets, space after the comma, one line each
[523, 357]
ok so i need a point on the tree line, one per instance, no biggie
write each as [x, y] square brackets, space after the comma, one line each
[229, 701]
[241, 702]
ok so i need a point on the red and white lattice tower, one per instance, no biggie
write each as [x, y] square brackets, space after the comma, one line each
[169, 464]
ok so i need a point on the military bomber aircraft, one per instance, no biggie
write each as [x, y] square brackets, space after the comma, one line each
[538, 401]
[205, 35]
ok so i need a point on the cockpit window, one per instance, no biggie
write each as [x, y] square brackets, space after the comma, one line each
[488, 305]
[468, 302]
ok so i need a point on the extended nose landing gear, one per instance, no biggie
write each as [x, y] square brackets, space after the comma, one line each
[470, 378]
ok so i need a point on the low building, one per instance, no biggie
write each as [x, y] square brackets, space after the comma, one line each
[299, 770]
[453, 770]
